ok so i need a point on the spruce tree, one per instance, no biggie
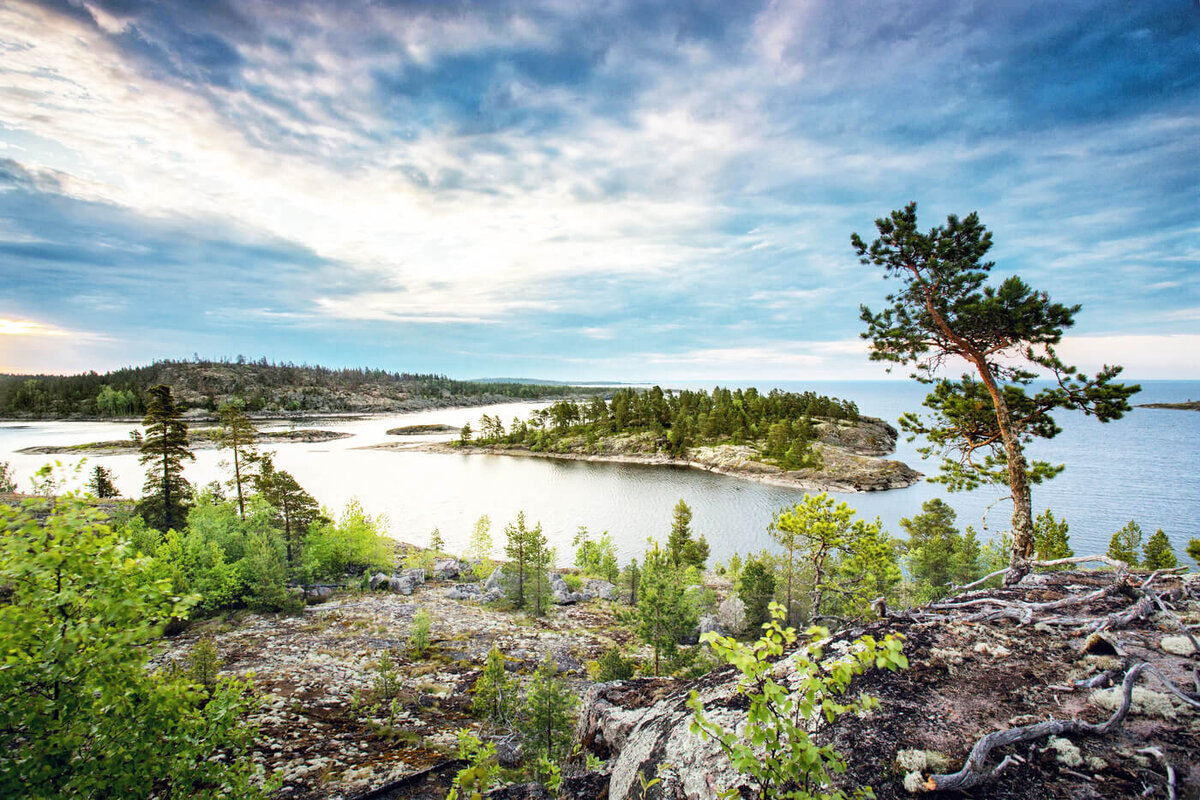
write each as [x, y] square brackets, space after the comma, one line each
[756, 588]
[1157, 554]
[664, 613]
[1125, 543]
[295, 509]
[1193, 550]
[101, 484]
[932, 542]
[942, 312]
[164, 448]
[1050, 539]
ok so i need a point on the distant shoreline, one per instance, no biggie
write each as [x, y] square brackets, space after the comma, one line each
[1189, 405]
[861, 473]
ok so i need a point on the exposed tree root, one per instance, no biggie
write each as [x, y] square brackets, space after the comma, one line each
[1119, 566]
[975, 771]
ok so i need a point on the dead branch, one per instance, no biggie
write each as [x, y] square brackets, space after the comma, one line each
[1171, 615]
[1119, 566]
[1121, 619]
[1162, 759]
[976, 771]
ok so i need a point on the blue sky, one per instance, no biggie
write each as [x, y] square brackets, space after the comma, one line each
[581, 191]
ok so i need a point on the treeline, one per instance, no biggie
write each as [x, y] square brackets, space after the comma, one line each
[262, 386]
[782, 421]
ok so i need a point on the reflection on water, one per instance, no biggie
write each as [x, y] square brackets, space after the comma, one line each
[1145, 467]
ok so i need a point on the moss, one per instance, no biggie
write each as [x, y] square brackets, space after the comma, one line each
[1066, 752]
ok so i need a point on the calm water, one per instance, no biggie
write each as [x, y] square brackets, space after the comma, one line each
[1144, 467]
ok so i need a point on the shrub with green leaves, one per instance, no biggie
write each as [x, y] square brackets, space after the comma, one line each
[418, 637]
[494, 695]
[80, 713]
[774, 751]
[474, 780]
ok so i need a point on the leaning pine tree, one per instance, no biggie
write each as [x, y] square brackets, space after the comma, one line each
[164, 448]
[943, 313]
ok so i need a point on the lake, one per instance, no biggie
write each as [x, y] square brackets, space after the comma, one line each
[1144, 467]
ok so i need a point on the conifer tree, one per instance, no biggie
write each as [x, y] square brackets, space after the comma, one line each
[1050, 539]
[548, 714]
[164, 448]
[1125, 543]
[237, 434]
[943, 311]
[932, 541]
[756, 588]
[101, 484]
[295, 509]
[1193, 550]
[494, 694]
[664, 613]
[1157, 554]
[436, 543]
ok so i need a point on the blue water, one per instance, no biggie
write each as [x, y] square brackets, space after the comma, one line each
[1144, 467]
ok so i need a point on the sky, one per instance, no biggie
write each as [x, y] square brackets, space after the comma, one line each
[581, 190]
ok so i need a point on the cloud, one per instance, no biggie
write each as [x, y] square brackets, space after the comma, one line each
[23, 327]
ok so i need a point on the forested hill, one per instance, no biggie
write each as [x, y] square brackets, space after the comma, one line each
[264, 387]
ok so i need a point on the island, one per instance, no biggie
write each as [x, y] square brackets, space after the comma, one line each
[198, 439]
[1190, 405]
[802, 441]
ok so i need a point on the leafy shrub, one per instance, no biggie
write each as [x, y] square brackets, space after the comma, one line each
[612, 666]
[494, 694]
[774, 751]
[418, 637]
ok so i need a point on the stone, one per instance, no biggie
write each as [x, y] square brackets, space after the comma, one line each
[495, 581]
[464, 591]
[447, 569]
[708, 623]
[317, 594]
[594, 588]
[401, 584]
[1177, 645]
[731, 614]
[416, 574]
[377, 580]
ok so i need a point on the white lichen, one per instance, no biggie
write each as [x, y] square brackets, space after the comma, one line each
[1066, 752]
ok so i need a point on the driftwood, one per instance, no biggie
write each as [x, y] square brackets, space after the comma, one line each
[1120, 566]
[976, 771]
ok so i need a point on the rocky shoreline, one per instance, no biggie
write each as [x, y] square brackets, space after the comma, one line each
[199, 439]
[850, 455]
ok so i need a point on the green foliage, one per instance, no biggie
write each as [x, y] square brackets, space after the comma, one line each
[665, 614]
[436, 543]
[166, 492]
[354, 545]
[612, 666]
[756, 587]
[101, 484]
[548, 714]
[8, 482]
[494, 694]
[1125, 544]
[203, 664]
[774, 751]
[264, 574]
[294, 511]
[943, 310]
[479, 547]
[529, 557]
[237, 434]
[1193, 550]
[631, 579]
[418, 637]
[682, 548]
[464, 434]
[80, 714]
[937, 554]
[1050, 538]
[853, 560]
[1157, 554]
[599, 558]
[473, 781]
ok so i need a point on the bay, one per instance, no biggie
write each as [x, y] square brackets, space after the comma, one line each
[1144, 467]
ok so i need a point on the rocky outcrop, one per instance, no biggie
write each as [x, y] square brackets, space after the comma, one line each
[980, 663]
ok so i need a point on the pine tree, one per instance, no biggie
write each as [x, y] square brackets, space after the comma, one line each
[1193, 550]
[237, 434]
[1157, 554]
[436, 543]
[548, 713]
[101, 484]
[1125, 544]
[295, 509]
[664, 613]
[681, 531]
[516, 549]
[932, 541]
[494, 694]
[943, 311]
[1050, 539]
[164, 447]
[756, 588]
[540, 558]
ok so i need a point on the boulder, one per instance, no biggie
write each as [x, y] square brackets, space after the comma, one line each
[495, 580]
[465, 591]
[377, 580]
[401, 584]
[317, 594]
[708, 623]
[449, 568]
[731, 614]
[594, 588]
[417, 575]
[492, 595]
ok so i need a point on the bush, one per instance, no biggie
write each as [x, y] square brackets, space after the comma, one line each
[418, 637]
[791, 764]
[80, 714]
[613, 667]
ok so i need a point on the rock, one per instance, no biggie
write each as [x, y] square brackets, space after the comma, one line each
[1177, 645]
[492, 595]
[495, 580]
[448, 568]
[377, 580]
[594, 588]
[317, 594]
[731, 614]
[465, 591]
[401, 584]
[417, 574]
[566, 597]
[708, 623]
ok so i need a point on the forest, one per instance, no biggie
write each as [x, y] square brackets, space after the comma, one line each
[262, 386]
